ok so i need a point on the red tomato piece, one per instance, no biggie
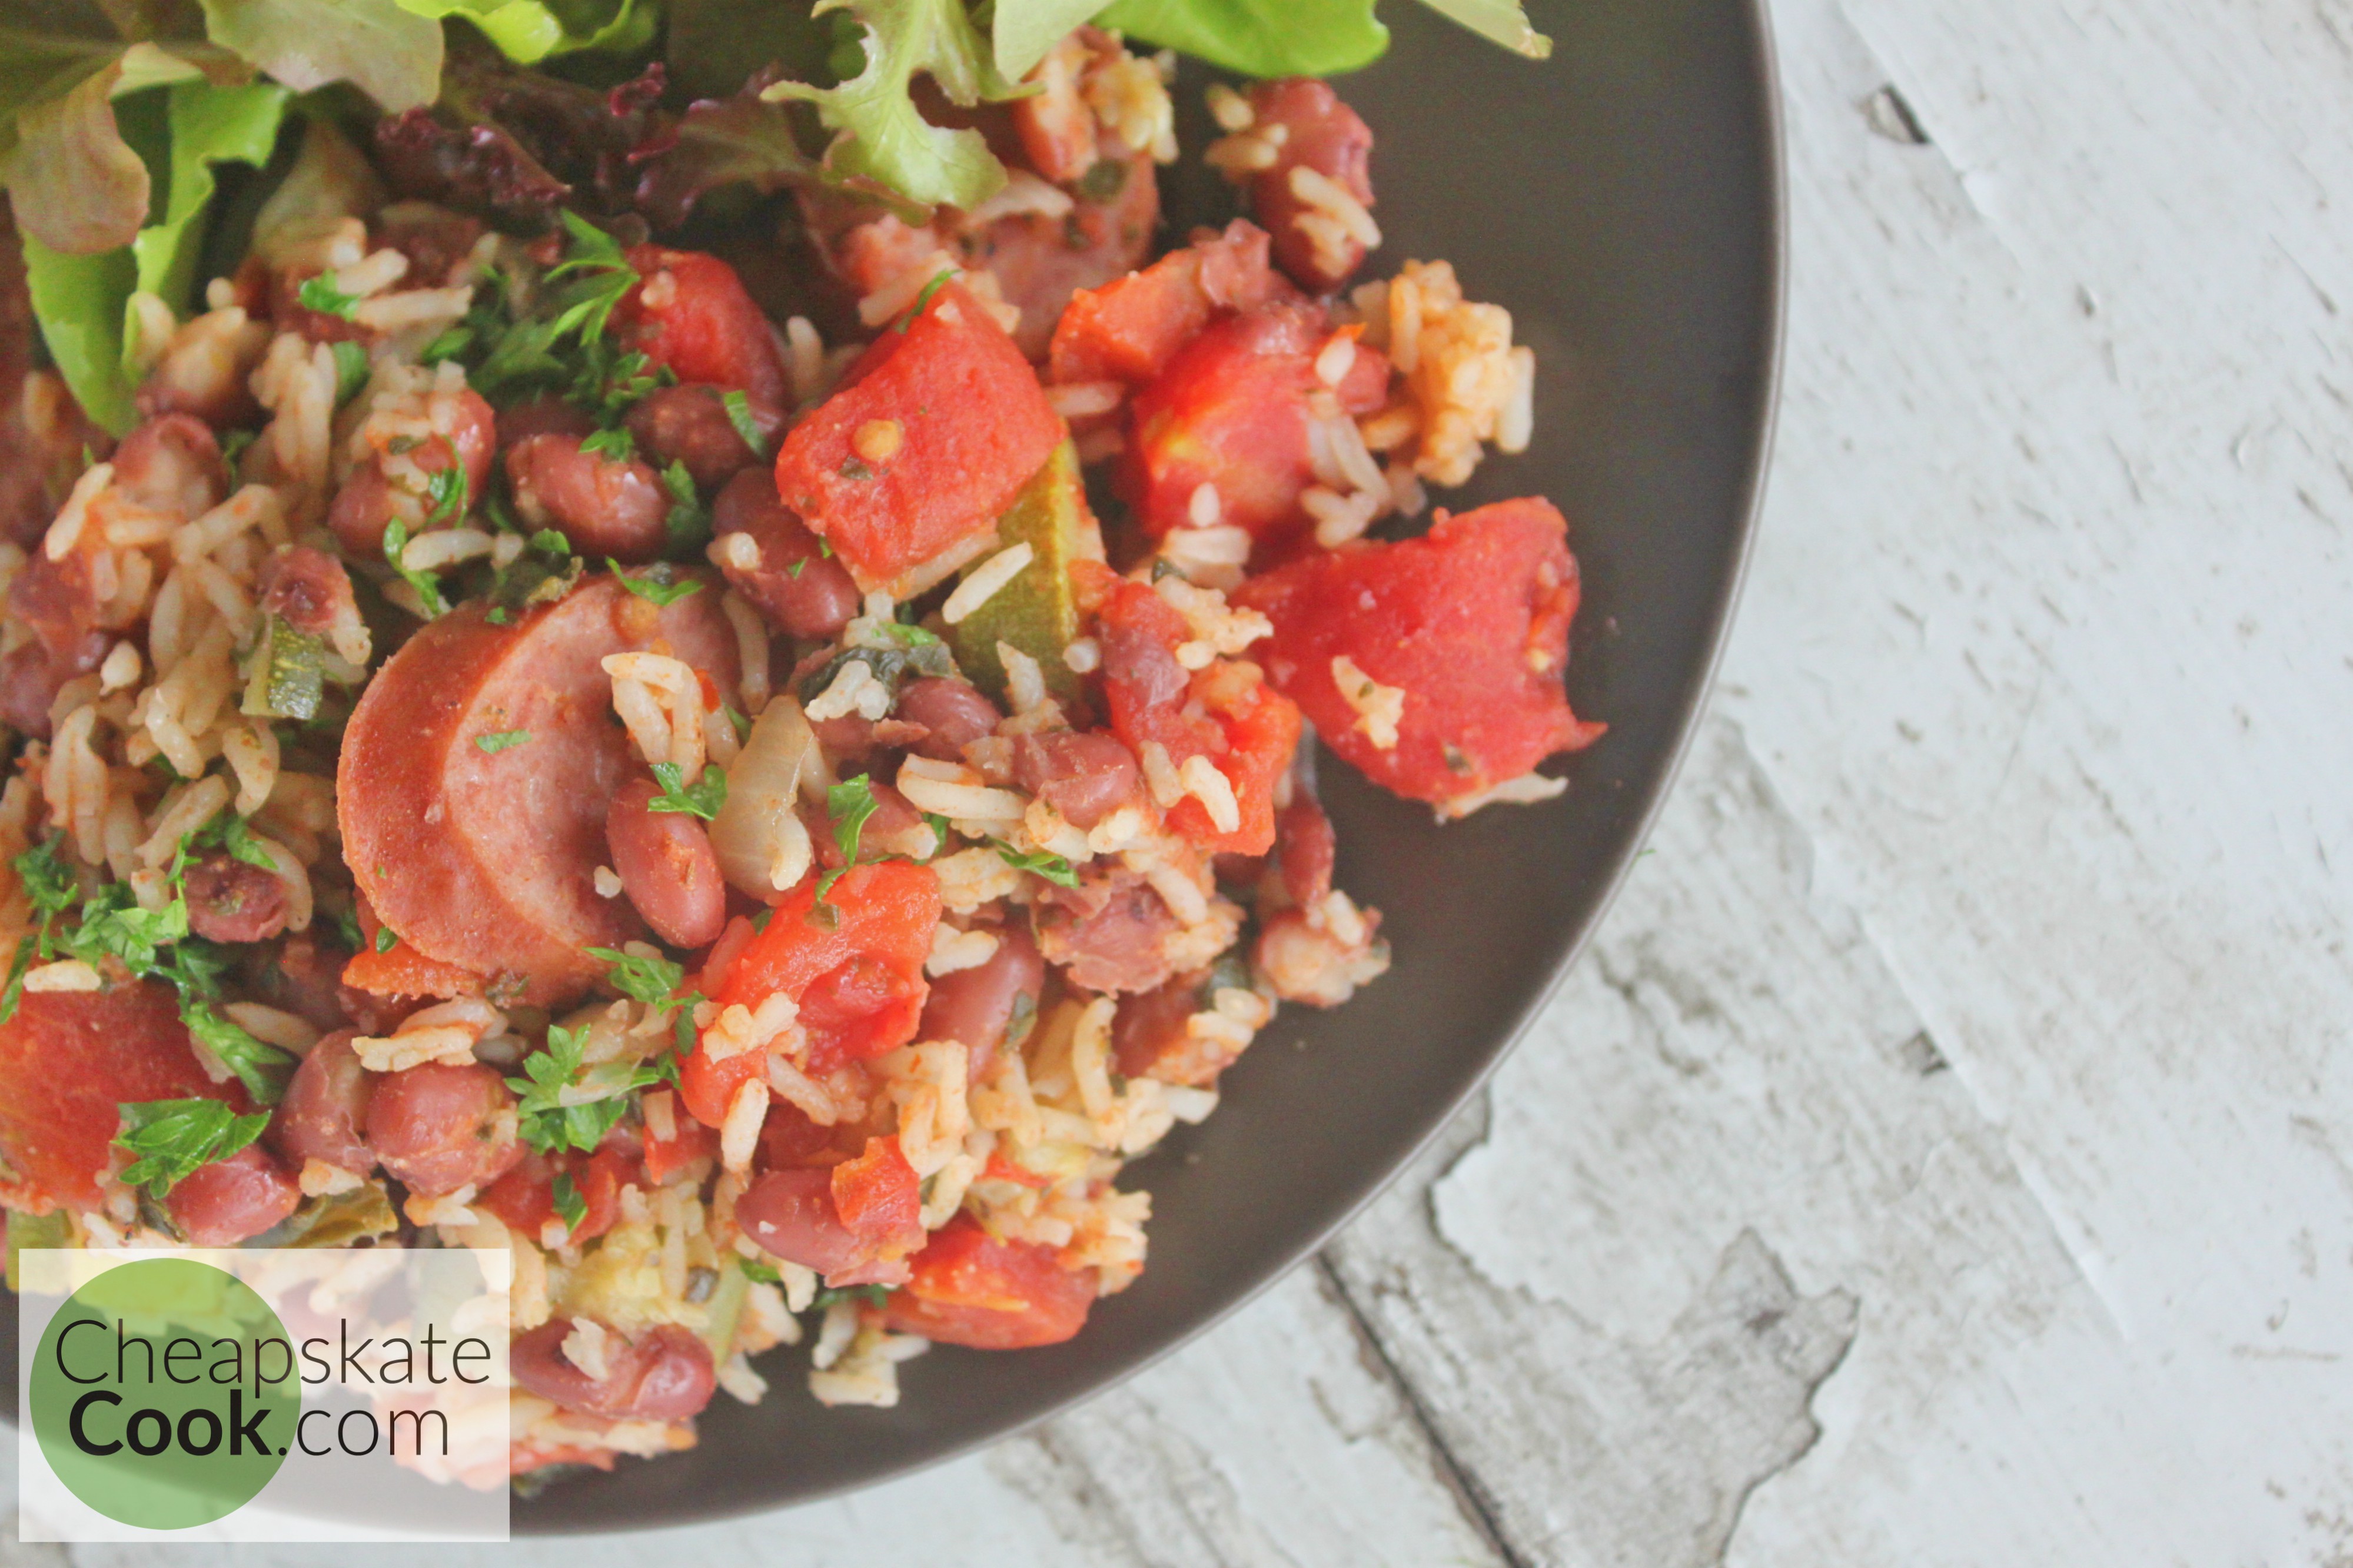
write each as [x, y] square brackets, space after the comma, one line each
[937, 428]
[692, 313]
[1130, 329]
[970, 1288]
[1232, 411]
[858, 977]
[67, 1060]
[1470, 621]
[524, 1198]
[667, 1157]
[1248, 730]
[879, 1199]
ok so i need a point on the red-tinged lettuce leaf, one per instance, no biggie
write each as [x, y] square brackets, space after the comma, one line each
[515, 146]
[390, 53]
[882, 138]
[722, 142]
[75, 185]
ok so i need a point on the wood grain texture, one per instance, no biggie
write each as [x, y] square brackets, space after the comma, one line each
[1944, 1155]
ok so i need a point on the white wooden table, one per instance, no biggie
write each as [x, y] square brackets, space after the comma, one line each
[1944, 1153]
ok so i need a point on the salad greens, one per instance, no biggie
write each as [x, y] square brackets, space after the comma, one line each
[115, 113]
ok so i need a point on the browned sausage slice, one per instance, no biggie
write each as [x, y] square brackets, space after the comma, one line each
[485, 859]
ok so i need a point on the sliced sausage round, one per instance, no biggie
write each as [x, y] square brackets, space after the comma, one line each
[485, 859]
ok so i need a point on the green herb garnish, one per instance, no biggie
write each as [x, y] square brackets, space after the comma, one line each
[700, 799]
[1052, 867]
[174, 1138]
[492, 744]
[321, 295]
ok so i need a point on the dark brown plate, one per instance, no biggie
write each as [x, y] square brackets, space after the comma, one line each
[1623, 200]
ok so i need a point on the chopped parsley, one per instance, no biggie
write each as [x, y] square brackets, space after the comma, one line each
[700, 799]
[660, 585]
[320, 295]
[427, 586]
[568, 1202]
[449, 491]
[492, 744]
[688, 522]
[875, 1294]
[738, 405]
[852, 469]
[229, 832]
[924, 299]
[387, 938]
[351, 371]
[759, 1273]
[850, 803]
[173, 1138]
[548, 542]
[564, 1107]
[655, 982]
[909, 636]
[615, 445]
[1052, 867]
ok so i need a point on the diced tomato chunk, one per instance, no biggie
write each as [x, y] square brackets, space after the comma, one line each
[1248, 730]
[970, 1288]
[1130, 329]
[854, 969]
[1471, 621]
[879, 1199]
[937, 428]
[1232, 411]
[692, 313]
[690, 1143]
[67, 1059]
[401, 971]
[524, 1198]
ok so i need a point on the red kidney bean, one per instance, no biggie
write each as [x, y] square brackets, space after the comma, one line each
[1111, 932]
[955, 711]
[306, 588]
[438, 1128]
[667, 866]
[549, 416]
[1084, 776]
[364, 506]
[172, 463]
[326, 1105]
[689, 425]
[1324, 134]
[230, 901]
[791, 1215]
[664, 1375]
[31, 676]
[603, 507]
[301, 975]
[795, 584]
[1134, 657]
[225, 1202]
[975, 1005]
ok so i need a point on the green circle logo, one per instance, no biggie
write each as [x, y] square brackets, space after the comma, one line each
[163, 1394]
